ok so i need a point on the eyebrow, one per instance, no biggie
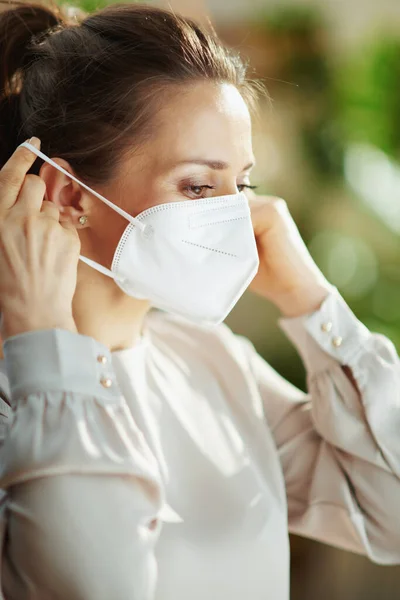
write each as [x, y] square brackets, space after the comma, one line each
[216, 165]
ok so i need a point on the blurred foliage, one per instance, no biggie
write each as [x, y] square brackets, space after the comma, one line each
[299, 33]
[293, 30]
[90, 6]
[297, 20]
[370, 96]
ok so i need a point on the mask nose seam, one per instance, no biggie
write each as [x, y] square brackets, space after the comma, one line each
[210, 249]
[217, 222]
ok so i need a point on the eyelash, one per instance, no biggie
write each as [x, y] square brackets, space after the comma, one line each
[248, 187]
[212, 187]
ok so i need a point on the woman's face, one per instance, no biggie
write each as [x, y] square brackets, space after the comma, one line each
[201, 148]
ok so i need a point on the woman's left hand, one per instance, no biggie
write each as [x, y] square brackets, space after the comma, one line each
[287, 276]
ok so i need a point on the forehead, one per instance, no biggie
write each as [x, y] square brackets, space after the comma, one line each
[206, 119]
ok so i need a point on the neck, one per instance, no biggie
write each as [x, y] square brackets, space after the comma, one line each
[101, 310]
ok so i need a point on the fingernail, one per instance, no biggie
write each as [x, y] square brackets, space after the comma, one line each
[35, 142]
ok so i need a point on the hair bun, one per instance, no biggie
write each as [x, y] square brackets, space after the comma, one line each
[18, 29]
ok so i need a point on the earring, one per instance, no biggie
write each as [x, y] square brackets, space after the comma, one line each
[83, 219]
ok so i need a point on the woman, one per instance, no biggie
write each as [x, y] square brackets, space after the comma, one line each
[156, 455]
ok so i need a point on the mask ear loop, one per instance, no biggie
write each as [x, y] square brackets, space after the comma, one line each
[120, 211]
[146, 230]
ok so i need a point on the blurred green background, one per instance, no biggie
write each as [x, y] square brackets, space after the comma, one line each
[328, 141]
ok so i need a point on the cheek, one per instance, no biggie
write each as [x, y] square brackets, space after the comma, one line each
[107, 227]
[135, 199]
[143, 203]
[152, 194]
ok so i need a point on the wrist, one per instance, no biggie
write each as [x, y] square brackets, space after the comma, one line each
[12, 324]
[302, 301]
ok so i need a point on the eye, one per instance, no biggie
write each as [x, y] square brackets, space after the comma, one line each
[198, 191]
[241, 187]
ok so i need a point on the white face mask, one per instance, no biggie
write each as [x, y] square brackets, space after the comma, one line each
[193, 258]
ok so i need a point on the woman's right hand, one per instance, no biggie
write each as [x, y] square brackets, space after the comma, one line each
[38, 254]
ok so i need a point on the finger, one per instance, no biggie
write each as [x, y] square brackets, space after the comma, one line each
[31, 196]
[270, 203]
[73, 232]
[70, 227]
[13, 173]
[49, 209]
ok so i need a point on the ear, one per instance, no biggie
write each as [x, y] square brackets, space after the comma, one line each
[66, 194]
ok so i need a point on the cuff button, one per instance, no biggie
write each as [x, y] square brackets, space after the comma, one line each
[153, 524]
[107, 383]
[337, 342]
[326, 327]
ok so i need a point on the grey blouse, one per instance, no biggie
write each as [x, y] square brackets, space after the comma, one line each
[173, 470]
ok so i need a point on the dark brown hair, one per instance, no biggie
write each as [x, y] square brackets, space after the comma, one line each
[87, 90]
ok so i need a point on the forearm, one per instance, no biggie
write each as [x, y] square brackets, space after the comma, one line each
[354, 466]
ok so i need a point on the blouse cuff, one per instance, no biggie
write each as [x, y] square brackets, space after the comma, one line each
[58, 360]
[332, 331]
